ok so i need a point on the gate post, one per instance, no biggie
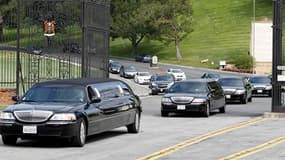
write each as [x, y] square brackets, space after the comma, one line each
[277, 57]
[18, 51]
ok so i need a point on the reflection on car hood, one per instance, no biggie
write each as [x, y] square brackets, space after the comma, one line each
[55, 107]
[195, 95]
[162, 82]
[232, 87]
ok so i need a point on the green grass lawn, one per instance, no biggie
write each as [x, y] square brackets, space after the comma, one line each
[221, 32]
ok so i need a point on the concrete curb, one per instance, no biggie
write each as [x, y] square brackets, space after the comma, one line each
[273, 115]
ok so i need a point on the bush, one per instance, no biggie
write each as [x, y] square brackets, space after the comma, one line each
[242, 61]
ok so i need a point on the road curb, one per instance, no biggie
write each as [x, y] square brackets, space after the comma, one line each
[273, 115]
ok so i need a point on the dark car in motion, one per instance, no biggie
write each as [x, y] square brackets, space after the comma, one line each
[236, 88]
[71, 48]
[128, 71]
[193, 95]
[261, 85]
[145, 58]
[114, 67]
[161, 83]
[210, 75]
[71, 109]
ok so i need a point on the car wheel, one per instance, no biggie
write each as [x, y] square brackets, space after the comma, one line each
[244, 100]
[207, 110]
[250, 99]
[135, 127]
[222, 109]
[80, 137]
[153, 92]
[164, 113]
[9, 140]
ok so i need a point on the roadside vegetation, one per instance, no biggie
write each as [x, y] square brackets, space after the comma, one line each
[221, 31]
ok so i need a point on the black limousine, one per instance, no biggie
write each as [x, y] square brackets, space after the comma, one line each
[71, 109]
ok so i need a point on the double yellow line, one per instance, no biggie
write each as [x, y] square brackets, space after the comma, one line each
[256, 149]
[179, 146]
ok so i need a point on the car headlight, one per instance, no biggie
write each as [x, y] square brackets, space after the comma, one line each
[199, 100]
[268, 87]
[166, 100]
[63, 117]
[170, 84]
[240, 91]
[153, 84]
[6, 116]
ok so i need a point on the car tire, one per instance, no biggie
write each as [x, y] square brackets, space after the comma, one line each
[164, 113]
[207, 110]
[250, 99]
[244, 100]
[154, 93]
[222, 109]
[80, 137]
[135, 127]
[9, 140]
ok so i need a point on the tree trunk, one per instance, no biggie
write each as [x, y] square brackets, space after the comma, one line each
[134, 47]
[178, 55]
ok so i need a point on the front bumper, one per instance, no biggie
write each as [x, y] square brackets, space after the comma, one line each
[48, 129]
[230, 97]
[188, 108]
[261, 91]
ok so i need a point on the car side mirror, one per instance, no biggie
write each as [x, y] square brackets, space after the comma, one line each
[95, 99]
[15, 98]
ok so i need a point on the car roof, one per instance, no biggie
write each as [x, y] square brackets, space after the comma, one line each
[198, 80]
[78, 81]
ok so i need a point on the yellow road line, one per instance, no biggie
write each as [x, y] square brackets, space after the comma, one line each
[254, 150]
[199, 139]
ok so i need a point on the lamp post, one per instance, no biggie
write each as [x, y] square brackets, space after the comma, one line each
[253, 37]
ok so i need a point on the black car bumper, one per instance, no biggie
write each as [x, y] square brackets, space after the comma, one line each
[188, 108]
[60, 129]
[234, 97]
[261, 92]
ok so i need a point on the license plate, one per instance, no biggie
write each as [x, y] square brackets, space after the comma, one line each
[181, 107]
[259, 91]
[228, 96]
[161, 90]
[30, 129]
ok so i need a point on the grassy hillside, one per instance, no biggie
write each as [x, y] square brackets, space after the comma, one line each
[221, 32]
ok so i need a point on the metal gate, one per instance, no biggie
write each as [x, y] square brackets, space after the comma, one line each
[53, 39]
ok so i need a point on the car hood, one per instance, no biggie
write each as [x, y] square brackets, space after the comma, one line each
[55, 107]
[195, 95]
[144, 77]
[162, 82]
[232, 87]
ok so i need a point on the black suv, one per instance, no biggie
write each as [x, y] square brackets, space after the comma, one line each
[161, 83]
[71, 109]
[194, 95]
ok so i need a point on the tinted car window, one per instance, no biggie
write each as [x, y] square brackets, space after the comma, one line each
[213, 75]
[260, 80]
[164, 78]
[56, 94]
[189, 87]
[115, 65]
[214, 85]
[130, 69]
[143, 74]
[108, 90]
[231, 82]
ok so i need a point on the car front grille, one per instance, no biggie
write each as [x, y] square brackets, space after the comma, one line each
[33, 116]
[182, 100]
[162, 85]
[229, 91]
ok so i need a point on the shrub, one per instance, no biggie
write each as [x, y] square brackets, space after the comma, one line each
[242, 61]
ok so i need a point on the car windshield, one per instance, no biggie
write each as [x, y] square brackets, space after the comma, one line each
[176, 71]
[143, 74]
[130, 69]
[260, 80]
[189, 87]
[113, 64]
[65, 93]
[231, 82]
[164, 78]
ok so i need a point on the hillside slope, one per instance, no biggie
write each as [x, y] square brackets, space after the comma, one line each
[221, 32]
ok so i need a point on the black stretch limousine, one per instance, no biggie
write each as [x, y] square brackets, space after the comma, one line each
[71, 109]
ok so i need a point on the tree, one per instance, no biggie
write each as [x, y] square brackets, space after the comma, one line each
[5, 7]
[174, 19]
[132, 19]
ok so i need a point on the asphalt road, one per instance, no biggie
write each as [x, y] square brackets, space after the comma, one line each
[158, 133]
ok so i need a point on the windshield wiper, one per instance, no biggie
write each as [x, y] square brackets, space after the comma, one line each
[27, 100]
